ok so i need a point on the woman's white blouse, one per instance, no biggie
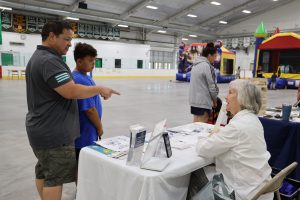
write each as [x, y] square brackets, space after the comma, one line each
[240, 154]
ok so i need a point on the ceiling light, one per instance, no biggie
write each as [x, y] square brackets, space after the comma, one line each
[246, 11]
[191, 15]
[184, 39]
[5, 8]
[215, 3]
[72, 18]
[161, 31]
[122, 25]
[193, 35]
[152, 7]
[275, 0]
[223, 22]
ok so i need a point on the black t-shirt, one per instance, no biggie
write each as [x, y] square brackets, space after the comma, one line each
[51, 120]
[273, 78]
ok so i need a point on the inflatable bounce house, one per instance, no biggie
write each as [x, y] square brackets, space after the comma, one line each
[224, 64]
[187, 55]
[280, 53]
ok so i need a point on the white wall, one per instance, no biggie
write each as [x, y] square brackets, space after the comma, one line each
[107, 50]
[144, 73]
[244, 59]
[285, 17]
[30, 43]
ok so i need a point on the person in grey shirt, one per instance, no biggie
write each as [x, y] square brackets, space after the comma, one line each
[203, 90]
[52, 121]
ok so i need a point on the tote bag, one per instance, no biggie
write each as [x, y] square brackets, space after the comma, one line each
[216, 189]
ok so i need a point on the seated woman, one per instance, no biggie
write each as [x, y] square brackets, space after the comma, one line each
[239, 148]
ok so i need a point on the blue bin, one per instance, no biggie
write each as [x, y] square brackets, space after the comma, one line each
[290, 187]
[180, 77]
[183, 76]
[280, 83]
[288, 191]
[188, 76]
[225, 79]
[291, 83]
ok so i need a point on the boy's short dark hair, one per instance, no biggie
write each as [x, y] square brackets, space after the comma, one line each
[82, 50]
[56, 27]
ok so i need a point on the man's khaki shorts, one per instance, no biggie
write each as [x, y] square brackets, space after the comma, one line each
[56, 165]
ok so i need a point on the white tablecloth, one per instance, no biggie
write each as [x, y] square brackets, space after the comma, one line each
[102, 177]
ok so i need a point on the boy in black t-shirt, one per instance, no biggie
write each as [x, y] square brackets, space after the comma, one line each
[273, 81]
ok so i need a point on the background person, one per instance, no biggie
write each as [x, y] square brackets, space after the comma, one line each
[273, 81]
[238, 73]
[203, 90]
[259, 72]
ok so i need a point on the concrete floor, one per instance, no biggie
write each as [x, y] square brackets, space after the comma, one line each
[144, 101]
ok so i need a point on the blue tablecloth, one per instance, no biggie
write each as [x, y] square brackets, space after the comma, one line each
[283, 143]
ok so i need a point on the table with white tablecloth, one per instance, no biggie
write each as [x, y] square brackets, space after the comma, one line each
[103, 177]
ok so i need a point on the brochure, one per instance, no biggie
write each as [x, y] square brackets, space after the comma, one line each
[118, 143]
[136, 145]
[107, 152]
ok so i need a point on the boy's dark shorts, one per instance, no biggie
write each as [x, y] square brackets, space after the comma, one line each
[199, 111]
[56, 165]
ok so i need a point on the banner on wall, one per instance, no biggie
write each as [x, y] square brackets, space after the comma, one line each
[19, 23]
[246, 42]
[234, 42]
[32, 25]
[41, 22]
[110, 33]
[96, 32]
[81, 29]
[0, 29]
[116, 33]
[6, 21]
[89, 30]
[225, 43]
[103, 32]
[74, 28]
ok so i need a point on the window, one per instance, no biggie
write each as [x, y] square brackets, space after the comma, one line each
[264, 60]
[140, 64]
[161, 60]
[7, 59]
[117, 63]
[98, 63]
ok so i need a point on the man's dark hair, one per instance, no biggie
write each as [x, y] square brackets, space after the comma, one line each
[56, 27]
[82, 50]
[209, 49]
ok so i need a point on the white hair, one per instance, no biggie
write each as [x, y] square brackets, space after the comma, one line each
[248, 95]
